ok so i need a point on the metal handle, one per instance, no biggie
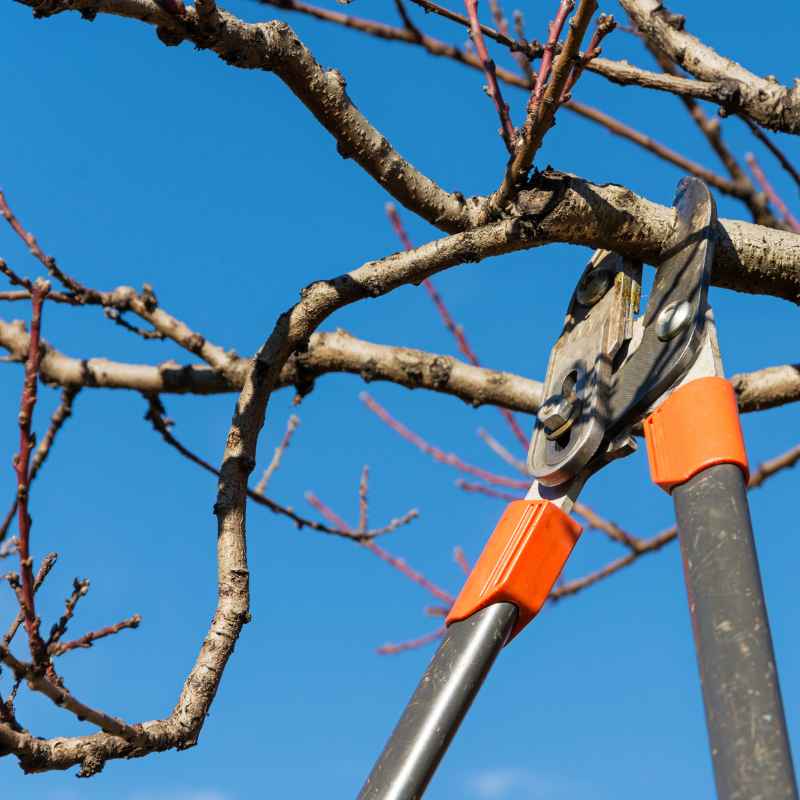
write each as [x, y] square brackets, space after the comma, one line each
[439, 704]
[744, 713]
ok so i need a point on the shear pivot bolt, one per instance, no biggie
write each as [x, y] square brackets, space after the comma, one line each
[673, 319]
[558, 413]
[593, 286]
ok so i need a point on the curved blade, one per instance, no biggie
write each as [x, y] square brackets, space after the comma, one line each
[681, 278]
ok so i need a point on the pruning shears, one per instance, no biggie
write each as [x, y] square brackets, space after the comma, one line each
[613, 374]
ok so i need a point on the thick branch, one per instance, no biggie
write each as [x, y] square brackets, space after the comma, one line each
[764, 100]
[339, 352]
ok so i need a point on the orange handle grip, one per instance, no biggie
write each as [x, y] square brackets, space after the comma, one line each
[521, 561]
[695, 428]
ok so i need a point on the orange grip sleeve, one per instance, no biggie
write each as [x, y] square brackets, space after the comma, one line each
[695, 428]
[521, 561]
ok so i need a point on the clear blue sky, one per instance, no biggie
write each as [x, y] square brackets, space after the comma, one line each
[137, 163]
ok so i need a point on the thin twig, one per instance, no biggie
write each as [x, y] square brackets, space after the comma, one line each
[412, 644]
[501, 22]
[507, 131]
[461, 559]
[451, 459]
[501, 451]
[291, 427]
[88, 639]
[62, 413]
[79, 589]
[161, 424]
[149, 334]
[456, 330]
[44, 568]
[545, 98]
[48, 262]
[773, 148]
[488, 491]
[523, 61]
[363, 503]
[770, 192]
[769, 468]
[398, 563]
[610, 529]
[21, 467]
[741, 186]
[64, 699]
[605, 24]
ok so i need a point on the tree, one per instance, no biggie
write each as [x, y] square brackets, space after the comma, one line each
[529, 205]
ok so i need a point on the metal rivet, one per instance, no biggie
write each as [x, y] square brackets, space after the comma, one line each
[593, 286]
[673, 319]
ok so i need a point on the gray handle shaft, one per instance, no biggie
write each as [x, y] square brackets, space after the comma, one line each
[438, 706]
[746, 725]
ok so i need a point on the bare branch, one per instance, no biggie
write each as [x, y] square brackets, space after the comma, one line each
[544, 102]
[456, 330]
[493, 87]
[156, 416]
[88, 639]
[762, 99]
[770, 192]
[451, 459]
[623, 73]
[62, 413]
[774, 149]
[39, 291]
[291, 427]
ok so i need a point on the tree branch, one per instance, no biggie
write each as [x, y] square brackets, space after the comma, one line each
[764, 100]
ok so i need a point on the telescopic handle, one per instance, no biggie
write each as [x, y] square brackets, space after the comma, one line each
[746, 725]
[507, 587]
[696, 452]
[439, 704]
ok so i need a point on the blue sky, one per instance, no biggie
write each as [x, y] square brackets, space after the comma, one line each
[136, 163]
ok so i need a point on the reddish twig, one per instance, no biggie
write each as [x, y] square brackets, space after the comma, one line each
[773, 148]
[546, 96]
[450, 459]
[456, 330]
[501, 451]
[501, 22]
[398, 563]
[605, 24]
[770, 192]
[156, 416]
[610, 529]
[532, 49]
[88, 639]
[62, 413]
[363, 503]
[525, 64]
[291, 427]
[488, 491]
[646, 546]
[461, 560]
[554, 32]
[21, 467]
[412, 644]
[44, 568]
[492, 84]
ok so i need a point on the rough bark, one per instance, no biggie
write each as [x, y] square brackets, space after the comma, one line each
[764, 100]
